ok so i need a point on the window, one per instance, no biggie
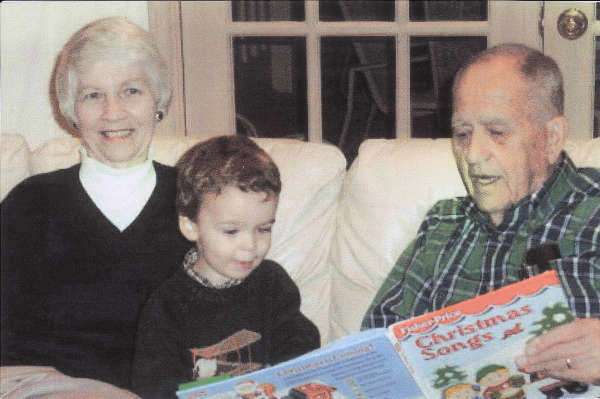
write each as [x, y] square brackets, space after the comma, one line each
[338, 71]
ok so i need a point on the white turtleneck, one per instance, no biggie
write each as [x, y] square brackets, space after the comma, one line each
[119, 193]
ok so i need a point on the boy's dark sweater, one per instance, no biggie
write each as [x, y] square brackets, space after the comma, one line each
[182, 314]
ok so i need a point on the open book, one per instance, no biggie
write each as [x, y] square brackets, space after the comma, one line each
[463, 351]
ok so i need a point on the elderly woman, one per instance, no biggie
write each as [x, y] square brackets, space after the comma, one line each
[82, 247]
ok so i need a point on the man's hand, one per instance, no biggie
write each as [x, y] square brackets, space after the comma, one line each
[568, 352]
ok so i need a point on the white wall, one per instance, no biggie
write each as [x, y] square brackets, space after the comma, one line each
[31, 34]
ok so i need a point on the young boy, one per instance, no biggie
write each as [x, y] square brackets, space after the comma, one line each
[228, 310]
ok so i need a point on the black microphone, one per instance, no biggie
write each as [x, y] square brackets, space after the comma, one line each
[537, 259]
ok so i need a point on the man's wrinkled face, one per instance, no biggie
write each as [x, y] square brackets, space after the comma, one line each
[500, 146]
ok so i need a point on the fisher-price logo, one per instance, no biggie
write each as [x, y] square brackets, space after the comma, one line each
[403, 331]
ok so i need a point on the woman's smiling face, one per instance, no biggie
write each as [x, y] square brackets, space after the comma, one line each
[116, 113]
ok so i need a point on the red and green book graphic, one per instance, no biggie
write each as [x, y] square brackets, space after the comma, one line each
[467, 350]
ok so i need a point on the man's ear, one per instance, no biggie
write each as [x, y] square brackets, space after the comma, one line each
[556, 135]
[188, 228]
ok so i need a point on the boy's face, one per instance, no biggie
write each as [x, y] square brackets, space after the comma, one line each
[232, 232]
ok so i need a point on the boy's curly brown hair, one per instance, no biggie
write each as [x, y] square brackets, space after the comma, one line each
[219, 162]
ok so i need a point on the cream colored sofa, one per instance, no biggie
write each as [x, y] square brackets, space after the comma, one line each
[338, 232]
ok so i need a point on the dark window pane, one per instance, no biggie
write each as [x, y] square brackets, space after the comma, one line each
[433, 63]
[267, 10]
[270, 86]
[356, 10]
[434, 10]
[358, 90]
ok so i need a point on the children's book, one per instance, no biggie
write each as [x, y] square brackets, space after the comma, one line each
[463, 351]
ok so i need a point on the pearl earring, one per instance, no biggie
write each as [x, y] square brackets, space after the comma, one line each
[159, 116]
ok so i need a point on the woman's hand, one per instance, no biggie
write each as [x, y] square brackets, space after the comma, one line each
[568, 352]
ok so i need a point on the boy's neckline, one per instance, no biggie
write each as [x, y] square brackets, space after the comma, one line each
[188, 264]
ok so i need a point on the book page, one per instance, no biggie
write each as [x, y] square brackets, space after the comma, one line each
[361, 366]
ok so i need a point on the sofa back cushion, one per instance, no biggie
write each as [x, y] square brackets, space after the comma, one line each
[15, 162]
[387, 191]
[312, 176]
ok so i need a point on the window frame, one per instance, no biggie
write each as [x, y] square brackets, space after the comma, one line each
[207, 104]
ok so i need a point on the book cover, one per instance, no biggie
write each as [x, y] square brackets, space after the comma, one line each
[467, 350]
[362, 365]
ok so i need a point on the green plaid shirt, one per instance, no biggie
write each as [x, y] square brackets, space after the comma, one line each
[459, 254]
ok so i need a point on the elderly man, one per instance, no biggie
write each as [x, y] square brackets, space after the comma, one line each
[508, 139]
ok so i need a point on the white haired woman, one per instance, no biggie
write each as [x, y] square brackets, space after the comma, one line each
[83, 246]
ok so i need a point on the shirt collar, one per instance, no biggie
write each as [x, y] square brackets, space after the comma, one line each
[188, 265]
[93, 167]
[119, 193]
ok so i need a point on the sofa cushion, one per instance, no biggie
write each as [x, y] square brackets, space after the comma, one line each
[16, 162]
[388, 190]
[585, 153]
[312, 176]
[55, 154]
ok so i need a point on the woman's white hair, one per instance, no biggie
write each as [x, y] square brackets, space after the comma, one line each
[113, 38]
